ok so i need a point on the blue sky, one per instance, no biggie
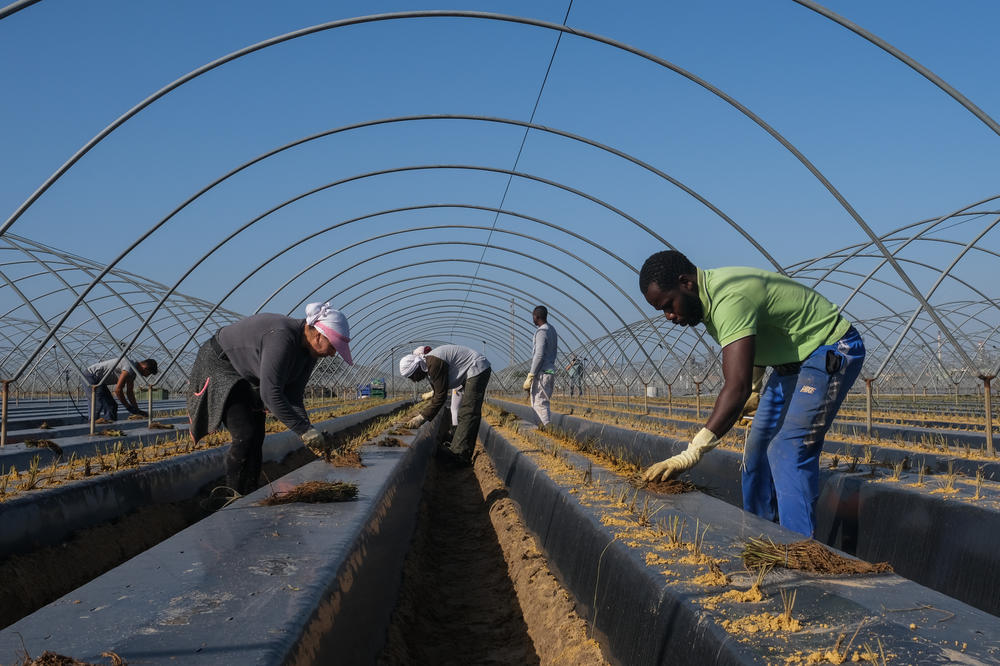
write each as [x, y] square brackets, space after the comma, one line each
[897, 147]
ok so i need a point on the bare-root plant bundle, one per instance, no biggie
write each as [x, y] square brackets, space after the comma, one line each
[44, 444]
[314, 492]
[48, 658]
[807, 555]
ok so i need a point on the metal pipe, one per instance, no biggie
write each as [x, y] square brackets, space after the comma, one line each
[988, 400]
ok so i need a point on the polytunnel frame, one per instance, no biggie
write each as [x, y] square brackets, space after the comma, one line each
[459, 286]
[562, 29]
[466, 277]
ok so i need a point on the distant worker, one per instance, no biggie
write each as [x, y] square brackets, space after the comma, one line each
[121, 374]
[542, 372]
[762, 319]
[575, 372]
[262, 363]
[451, 367]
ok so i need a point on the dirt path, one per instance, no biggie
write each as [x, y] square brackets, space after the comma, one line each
[476, 588]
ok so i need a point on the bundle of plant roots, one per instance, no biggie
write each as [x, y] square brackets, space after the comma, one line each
[668, 487]
[315, 491]
[52, 659]
[808, 555]
[44, 444]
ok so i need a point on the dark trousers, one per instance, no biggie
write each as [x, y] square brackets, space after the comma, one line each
[470, 413]
[106, 407]
[243, 416]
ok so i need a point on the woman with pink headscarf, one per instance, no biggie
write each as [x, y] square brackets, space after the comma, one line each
[262, 363]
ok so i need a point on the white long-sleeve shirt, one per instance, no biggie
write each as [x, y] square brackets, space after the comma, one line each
[543, 357]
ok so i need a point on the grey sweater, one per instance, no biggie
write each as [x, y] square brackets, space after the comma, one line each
[267, 350]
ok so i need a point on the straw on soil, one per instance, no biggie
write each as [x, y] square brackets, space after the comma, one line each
[43, 444]
[390, 441]
[111, 432]
[156, 425]
[807, 555]
[53, 659]
[315, 491]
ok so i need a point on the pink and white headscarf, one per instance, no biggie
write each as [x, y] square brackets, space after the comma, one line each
[333, 325]
[409, 363]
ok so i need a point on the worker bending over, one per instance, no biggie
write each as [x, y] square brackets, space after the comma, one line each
[762, 319]
[450, 367]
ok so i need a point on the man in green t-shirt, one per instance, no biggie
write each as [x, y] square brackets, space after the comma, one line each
[763, 319]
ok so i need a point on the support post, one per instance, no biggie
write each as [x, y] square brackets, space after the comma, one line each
[670, 401]
[868, 406]
[645, 398]
[93, 407]
[3, 414]
[149, 407]
[988, 400]
[697, 400]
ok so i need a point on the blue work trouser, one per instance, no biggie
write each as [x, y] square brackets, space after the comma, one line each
[782, 452]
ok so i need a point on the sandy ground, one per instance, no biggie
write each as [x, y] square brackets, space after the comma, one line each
[476, 587]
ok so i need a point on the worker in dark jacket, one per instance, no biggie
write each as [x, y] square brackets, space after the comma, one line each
[262, 363]
[450, 367]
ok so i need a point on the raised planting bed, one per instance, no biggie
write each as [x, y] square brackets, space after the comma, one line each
[57, 413]
[941, 539]
[935, 453]
[661, 579]
[293, 583]
[75, 440]
[46, 517]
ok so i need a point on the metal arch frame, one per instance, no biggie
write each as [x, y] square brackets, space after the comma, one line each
[473, 244]
[497, 17]
[475, 326]
[459, 275]
[559, 318]
[338, 182]
[593, 269]
[902, 57]
[428, 317]
[424, 290]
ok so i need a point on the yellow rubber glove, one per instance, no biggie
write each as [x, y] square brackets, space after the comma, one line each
[527, 382]
[703, 442]
[416, 421]
[427, 396]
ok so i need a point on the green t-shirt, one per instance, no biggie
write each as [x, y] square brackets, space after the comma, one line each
[789, 319]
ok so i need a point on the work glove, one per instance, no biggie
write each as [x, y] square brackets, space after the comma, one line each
[416, 421]
[664, 470]
[527, 382]
[427, 396]
[318, 442]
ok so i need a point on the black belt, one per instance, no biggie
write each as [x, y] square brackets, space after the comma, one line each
[786, 369]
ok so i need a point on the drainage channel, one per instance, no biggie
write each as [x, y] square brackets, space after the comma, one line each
[476, 586]
[297, 583]
[660, 595]
[871, 517]
[54, 540]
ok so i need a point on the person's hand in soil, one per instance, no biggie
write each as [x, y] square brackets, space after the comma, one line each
[416, 421]
[664, 470]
